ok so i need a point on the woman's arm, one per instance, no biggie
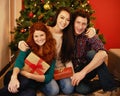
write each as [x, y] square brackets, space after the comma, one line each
[14, 83]
[91, 32]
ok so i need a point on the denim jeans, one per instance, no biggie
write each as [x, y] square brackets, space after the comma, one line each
[53, 88]
[105, 80]
[50, 89]
[66, 86]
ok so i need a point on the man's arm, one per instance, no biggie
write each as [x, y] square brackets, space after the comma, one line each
[23, 46]
[98, 59]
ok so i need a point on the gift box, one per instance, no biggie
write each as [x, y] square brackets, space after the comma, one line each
[35, 64]
[63, 73]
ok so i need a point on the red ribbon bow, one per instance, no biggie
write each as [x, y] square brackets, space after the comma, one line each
[35, 67]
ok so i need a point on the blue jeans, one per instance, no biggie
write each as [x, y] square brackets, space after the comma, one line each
[50, 89]
[53, 88]
[66, 86]
[105, 81]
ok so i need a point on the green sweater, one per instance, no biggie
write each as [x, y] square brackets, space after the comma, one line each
[20, 63]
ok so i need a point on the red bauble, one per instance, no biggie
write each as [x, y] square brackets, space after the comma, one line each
[31, 14]
[51, 19]
[42, 1]
[22, 30]
[88, 2]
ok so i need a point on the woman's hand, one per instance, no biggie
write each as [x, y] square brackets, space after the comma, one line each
[25, 73]
[22, 45]
[91, 32]
[13, 85]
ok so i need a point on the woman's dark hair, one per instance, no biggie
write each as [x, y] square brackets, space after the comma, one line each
[67, 39]
[67, 45]
[57, 13]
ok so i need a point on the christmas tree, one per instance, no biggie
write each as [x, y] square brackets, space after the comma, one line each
[42, 10]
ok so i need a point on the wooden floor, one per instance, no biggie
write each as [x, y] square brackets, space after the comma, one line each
[98, 93]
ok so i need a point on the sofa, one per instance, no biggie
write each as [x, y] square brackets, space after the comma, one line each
[114, 62]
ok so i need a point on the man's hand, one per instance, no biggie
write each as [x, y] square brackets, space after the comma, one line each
[77, 77]
[22, 45]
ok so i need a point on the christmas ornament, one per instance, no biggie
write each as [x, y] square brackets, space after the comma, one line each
[22, 30]
[42, 1]
[58, 2]
[34, 16]
[83, 5]
[35, 4]
[51, 19]
[88, 2]
[40, 17]
[47, 6]
[31, 14]
[72, 5]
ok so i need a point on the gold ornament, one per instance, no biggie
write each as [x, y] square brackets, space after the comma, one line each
[83, 5]
[47, 6]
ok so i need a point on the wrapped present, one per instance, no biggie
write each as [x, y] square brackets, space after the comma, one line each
[63, 73]
[35, 64]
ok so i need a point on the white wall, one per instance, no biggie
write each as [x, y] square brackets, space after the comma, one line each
[9, 11]
[4, 33]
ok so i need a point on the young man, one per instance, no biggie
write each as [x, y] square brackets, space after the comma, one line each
[88, 60]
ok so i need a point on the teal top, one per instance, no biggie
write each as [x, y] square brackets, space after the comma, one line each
[19, 62]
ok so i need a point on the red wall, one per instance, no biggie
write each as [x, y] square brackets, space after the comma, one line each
[107, 13]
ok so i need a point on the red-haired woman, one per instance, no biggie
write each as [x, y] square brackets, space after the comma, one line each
[22, 83]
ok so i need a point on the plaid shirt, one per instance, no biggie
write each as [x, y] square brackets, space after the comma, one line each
[83, 45]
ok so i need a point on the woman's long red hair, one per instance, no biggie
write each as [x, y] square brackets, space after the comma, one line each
[48, 49]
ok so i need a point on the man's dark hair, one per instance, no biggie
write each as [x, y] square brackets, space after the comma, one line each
[81, 13]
